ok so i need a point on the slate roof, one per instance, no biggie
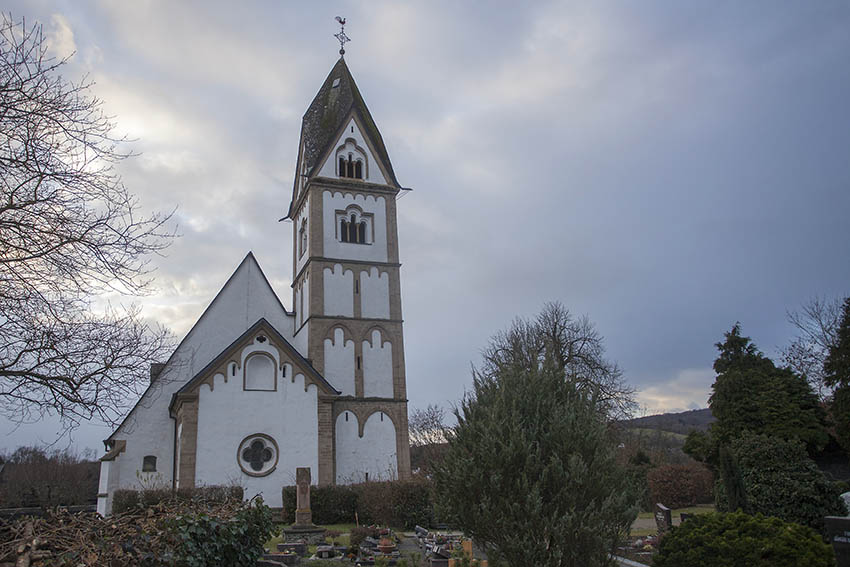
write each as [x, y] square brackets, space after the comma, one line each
[325, 116]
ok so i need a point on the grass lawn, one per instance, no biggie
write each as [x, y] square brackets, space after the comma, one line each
[644, 525]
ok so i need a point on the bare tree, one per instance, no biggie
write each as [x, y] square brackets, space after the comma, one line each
[572, 344]
[69, 231]
[817, 330]
[33, 476]
[427, 429]
[427, 426]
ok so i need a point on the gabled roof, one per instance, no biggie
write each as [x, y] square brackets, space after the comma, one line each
[327, 114]
[227, 353]
[247, 262]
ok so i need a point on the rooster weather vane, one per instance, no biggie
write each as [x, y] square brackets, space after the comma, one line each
[343, 39]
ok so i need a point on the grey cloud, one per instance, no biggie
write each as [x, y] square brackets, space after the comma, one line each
[667, 168]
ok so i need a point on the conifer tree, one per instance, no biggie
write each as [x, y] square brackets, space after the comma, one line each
[530, 472]
[751, 394]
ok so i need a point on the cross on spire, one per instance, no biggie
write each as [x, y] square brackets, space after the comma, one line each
[341, 37]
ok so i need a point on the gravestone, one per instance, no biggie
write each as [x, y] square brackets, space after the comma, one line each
[303, 528]
[663, 518]
[685, 516]
[838, 531]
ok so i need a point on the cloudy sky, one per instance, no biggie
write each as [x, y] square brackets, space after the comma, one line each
[667, 168]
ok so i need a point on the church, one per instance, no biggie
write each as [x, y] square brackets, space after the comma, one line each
[254, 390]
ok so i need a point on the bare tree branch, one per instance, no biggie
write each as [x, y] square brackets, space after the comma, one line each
[817, 330]
[69, 231]
[573, 345]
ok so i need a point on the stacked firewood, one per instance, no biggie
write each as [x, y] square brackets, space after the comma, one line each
[61, 539]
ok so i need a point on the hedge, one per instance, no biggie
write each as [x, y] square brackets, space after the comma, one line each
[400, 503]
[780, 480]
[737, 539]
[125, 499]
[679, 486]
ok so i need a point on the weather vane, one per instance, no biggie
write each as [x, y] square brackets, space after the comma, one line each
[341, 35]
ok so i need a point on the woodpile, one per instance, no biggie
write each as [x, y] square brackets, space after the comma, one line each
[62, 539]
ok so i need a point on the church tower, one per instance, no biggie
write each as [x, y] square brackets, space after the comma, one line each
[346, 285]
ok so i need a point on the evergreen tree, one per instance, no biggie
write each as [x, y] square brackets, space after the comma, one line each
[530, 472]
[751, 394]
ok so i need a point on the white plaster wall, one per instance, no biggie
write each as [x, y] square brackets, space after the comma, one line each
[377, 367]
[149, 430]
[339, 291]
[372, 174]
[227, 414]
[300, 218]
[333, 247]
[374, 453]
[299, 341]
[375, 294]
[339, 363]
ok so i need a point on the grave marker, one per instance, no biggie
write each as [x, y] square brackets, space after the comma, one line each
[663, 518]
[838, 531]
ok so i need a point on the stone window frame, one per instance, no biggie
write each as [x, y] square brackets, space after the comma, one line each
[302, 238]
[359, 216]
[241, 447]
[245, 387]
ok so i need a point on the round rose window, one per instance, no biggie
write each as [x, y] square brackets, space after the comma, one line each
[257, 455]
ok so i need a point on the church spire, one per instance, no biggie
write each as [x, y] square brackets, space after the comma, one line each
[333, 106]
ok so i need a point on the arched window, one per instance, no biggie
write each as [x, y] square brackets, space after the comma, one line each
[149, 464]
[260, 373]
[355, 226]
[351, 160]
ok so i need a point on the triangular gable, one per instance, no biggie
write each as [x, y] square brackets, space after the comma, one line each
[231, 354]
[248, 263]
[331, 108]
[376, 170]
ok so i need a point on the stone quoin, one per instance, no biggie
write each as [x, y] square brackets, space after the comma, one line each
[255, 391]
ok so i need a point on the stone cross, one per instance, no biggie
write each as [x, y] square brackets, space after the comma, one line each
[303, 515]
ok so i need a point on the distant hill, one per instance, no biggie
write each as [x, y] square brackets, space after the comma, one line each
[681, 423]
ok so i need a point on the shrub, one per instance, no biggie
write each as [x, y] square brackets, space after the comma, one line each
[780, 480]
[360, 533]
[739, 540]
[125, 499]
[678, 486]
[399, 503]
[333, 504]
[202, 539]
